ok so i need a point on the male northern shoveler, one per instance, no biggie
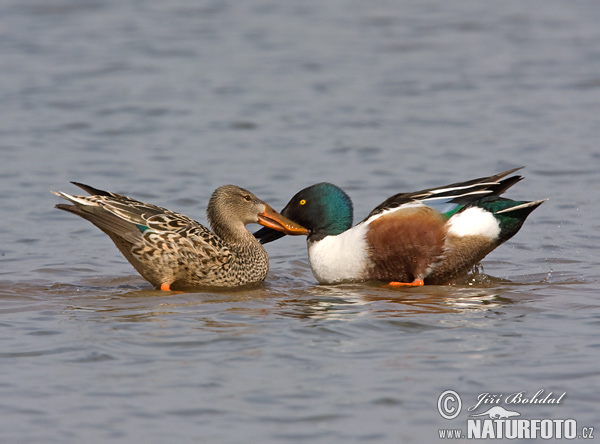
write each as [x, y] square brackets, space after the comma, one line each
[431, 236]
[171, 250]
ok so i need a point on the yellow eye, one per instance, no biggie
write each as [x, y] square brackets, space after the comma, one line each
[303, 202]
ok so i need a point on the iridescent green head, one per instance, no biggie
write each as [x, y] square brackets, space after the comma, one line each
[324, 209]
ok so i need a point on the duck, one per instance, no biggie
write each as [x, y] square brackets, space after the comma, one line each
[432, 236]
[171, 250]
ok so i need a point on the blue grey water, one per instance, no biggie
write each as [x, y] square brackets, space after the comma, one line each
[167, 100]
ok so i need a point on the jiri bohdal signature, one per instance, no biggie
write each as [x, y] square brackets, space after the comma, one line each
[517, 398]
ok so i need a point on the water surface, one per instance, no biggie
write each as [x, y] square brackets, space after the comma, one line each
[166, 101]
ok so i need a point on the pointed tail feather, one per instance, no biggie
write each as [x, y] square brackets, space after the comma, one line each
[528, 207]
[505, 184]
[74, 199]
[113, 225]
[91, 190]
[511, 218]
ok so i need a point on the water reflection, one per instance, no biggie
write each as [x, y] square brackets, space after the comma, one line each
[347, 301]
[131, 300]
[123, 302]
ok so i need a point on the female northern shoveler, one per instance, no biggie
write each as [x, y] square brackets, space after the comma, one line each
[431, 236]
[171, 250]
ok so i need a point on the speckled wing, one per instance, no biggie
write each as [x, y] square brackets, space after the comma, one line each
[155, 240]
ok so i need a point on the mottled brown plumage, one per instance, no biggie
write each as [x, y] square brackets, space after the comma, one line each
[171, 250]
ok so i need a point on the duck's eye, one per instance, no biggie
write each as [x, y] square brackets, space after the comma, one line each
[247, 197]
[302, 202]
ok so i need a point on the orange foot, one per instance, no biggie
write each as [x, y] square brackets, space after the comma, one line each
[167, 287]
[415, 283]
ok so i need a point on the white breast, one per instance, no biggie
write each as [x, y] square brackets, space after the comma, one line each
[340, 258]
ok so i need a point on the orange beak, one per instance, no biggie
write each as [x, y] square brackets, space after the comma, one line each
[272, 219]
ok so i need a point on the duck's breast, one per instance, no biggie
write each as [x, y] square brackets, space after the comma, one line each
[340, 258]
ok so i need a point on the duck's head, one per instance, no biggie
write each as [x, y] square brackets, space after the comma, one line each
[324, 209]
[231, 208]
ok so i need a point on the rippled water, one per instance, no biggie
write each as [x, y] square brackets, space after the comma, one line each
[165, 101]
